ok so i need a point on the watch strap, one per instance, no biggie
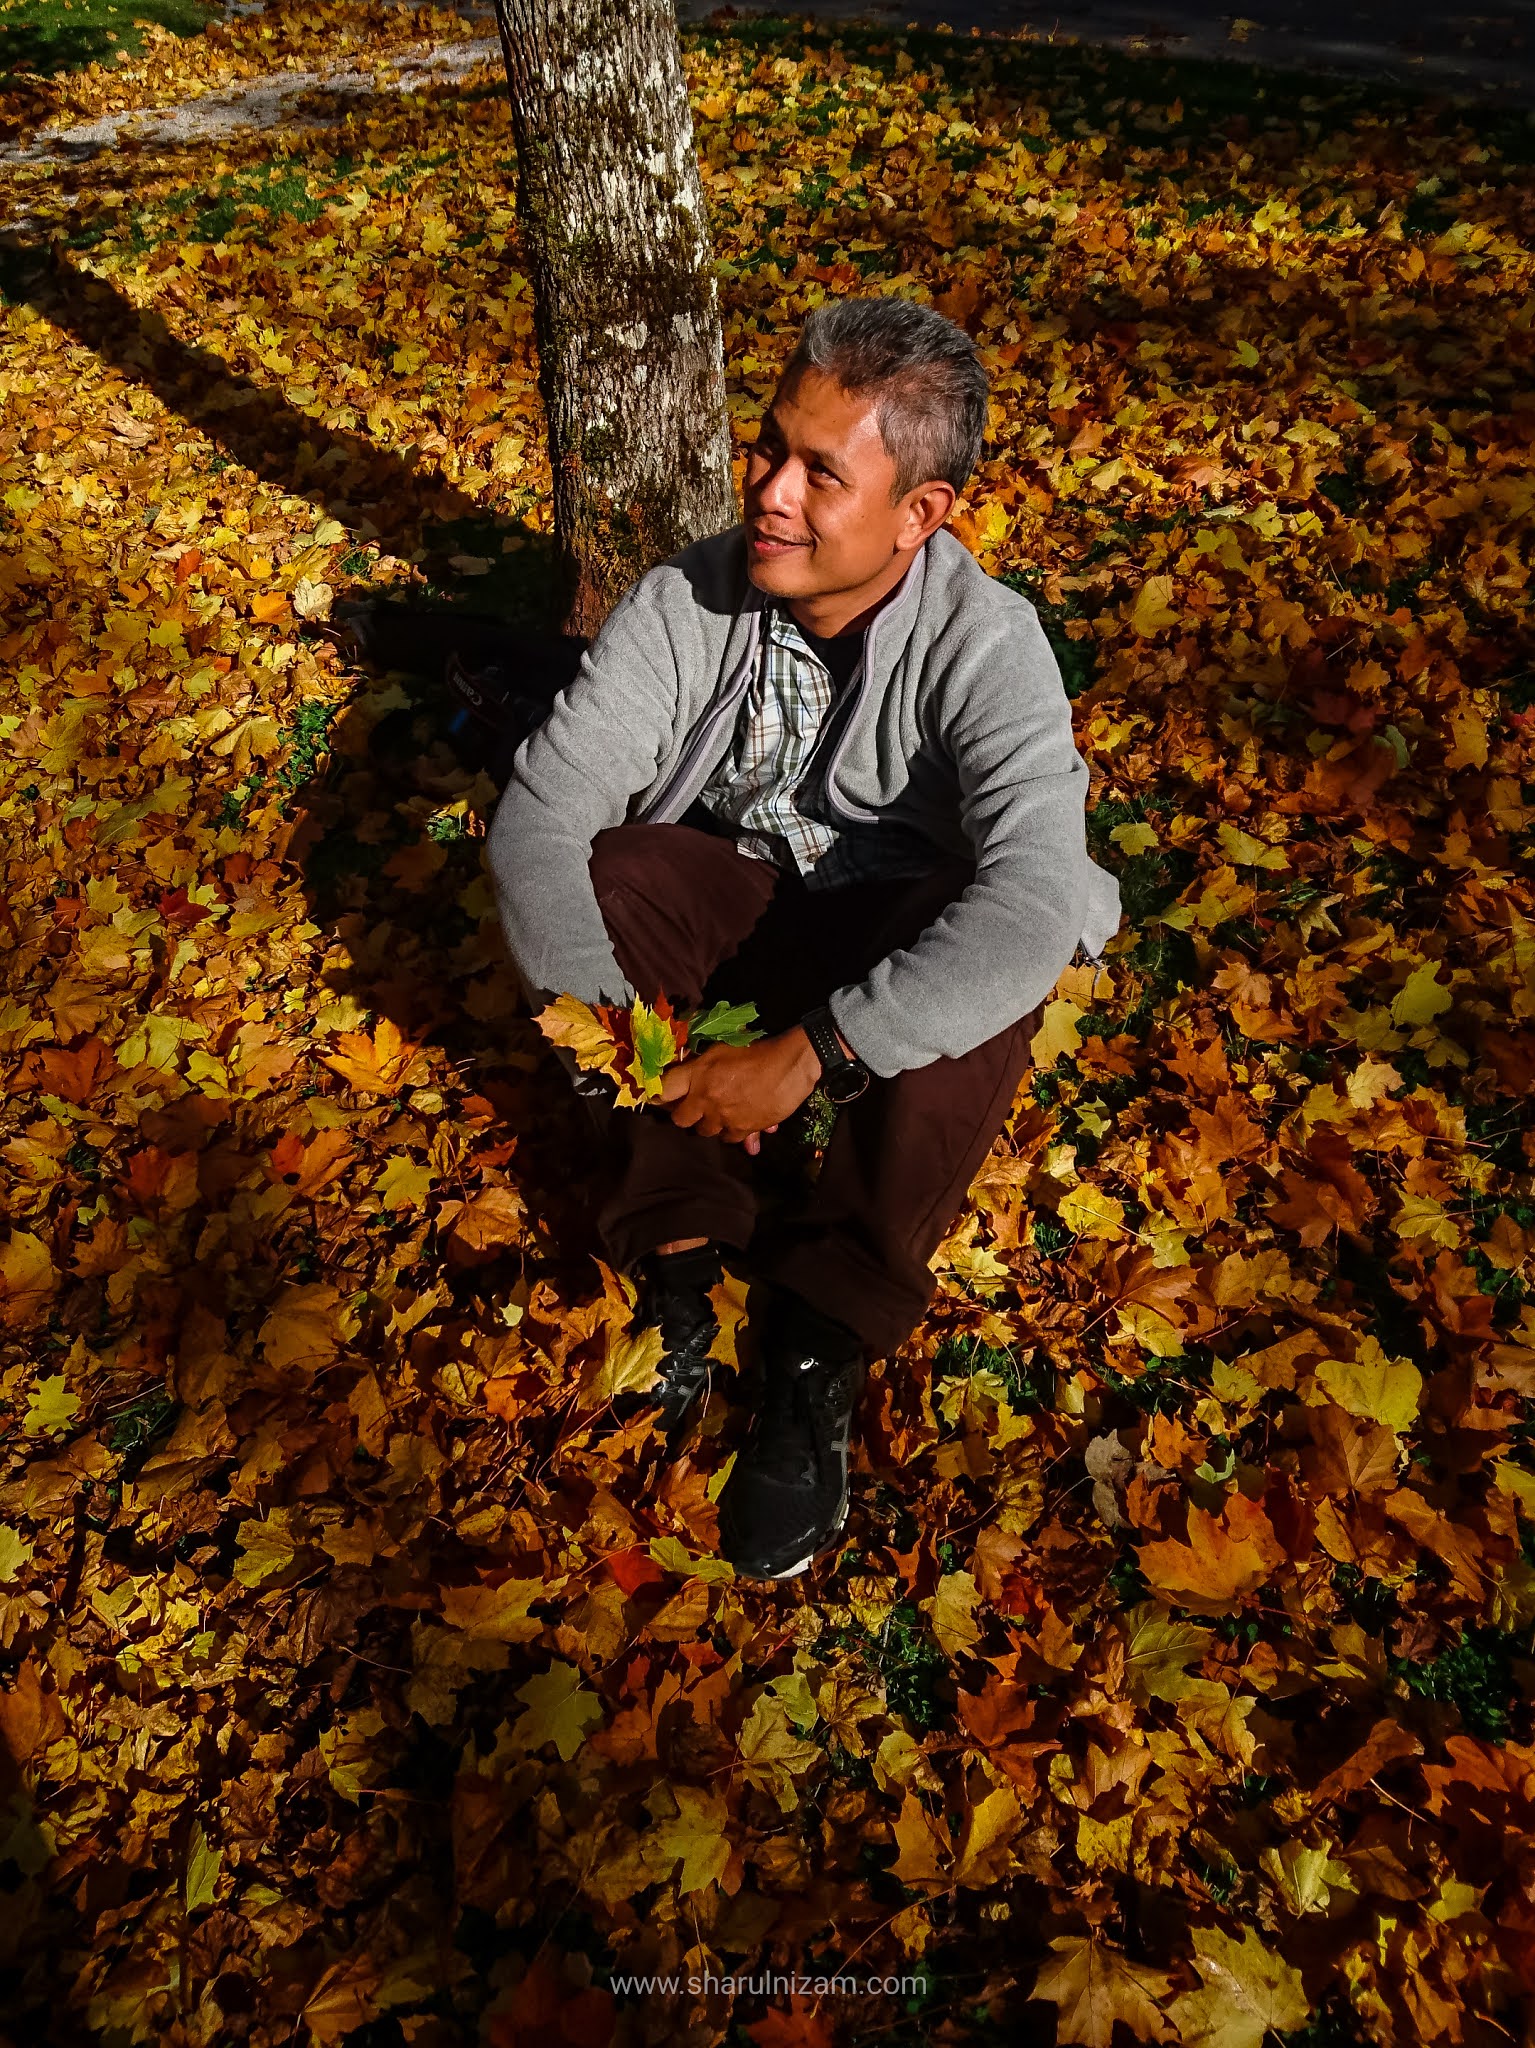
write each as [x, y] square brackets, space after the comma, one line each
[819, 1028]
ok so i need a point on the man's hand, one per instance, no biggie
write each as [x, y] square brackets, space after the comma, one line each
[736, 1092]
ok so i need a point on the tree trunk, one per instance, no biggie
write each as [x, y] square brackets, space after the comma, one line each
[616, 240]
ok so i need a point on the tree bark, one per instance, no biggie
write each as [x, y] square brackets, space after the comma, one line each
[616, 239]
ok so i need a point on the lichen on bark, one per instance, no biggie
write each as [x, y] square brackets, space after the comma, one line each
[615, 239]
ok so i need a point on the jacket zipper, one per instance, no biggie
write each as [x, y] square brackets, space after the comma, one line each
[665, 807]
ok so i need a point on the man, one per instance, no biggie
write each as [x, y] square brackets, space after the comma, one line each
[824, 762]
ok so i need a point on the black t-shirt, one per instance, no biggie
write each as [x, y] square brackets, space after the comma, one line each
[840, 654]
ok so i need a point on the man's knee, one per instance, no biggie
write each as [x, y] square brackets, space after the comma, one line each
[622, 865]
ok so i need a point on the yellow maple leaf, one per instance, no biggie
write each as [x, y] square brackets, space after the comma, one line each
[629, 1363]
[1094, 1985]
[569, 1022]
[1245, 851]
[1158, 1649]
[1152, 609]
[1381, 1389]
[15, 1551]
[1088, 1212]
[923, 1841]
[694, 1837]
[1057, 1037]
[27, 1279]
[496, 1613]
[50, 1406]
[267, 1548]
[773, 1754]
[204, 1863]
[378, 1065]
[983, 1849]
[558, 1709]
[1421, 998]
[1246, 1994]
[1134, 838]
[952, 1610]
[403, 1184]
[1425, 1217]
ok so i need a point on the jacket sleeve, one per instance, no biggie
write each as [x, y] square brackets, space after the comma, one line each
[603, 741]
[997, 951]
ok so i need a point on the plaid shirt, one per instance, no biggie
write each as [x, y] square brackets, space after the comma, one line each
[761, 788]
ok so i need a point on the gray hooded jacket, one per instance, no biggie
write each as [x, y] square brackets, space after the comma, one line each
[958, 729]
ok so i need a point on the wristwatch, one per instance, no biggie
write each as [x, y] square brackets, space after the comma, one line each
[843, 1076]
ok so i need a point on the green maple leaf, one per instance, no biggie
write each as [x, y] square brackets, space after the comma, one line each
[655, 1049]
[725, 1024]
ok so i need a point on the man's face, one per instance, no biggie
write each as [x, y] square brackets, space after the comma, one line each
[817, 493]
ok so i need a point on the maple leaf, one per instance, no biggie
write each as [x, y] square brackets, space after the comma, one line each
[15, 1551]
[497, 1613]
[557, 1708]
[803, 2023]
[1422, 997]
[923, 1841]
[724, 1024]
[489, 1221]
[1246, 1992]
[1152, 609]
[404, 1184]
[952, 1608]
[1225, 1556]
[630, 1363]
[303, 1330]
[267, 1548]
[692, 1839]
[342, 2000]
[1135, 838]
[204, 1862]
[773, 1755]
[983, 1851]
[1381, 1389]
[376, 1065]
[655, 1048]
[51, 1407]
[1158, 1651]
[1094, 1985]
[1089, 1212]
[1057, 1037]
[27, 1279]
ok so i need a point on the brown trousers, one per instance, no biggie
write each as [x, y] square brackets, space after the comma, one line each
[690, 917]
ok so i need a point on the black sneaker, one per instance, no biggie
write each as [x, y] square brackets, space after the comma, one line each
[787, 1494]
[674, 1297]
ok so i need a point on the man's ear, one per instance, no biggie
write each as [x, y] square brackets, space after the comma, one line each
[926, 510]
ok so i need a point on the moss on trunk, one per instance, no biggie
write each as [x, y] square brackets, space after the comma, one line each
[616, 242]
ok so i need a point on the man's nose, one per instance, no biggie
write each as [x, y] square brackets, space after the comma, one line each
[779, 490]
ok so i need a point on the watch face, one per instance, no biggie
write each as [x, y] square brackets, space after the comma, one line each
[845, 1084]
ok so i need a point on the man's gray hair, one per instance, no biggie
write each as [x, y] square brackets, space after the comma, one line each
[930, 388]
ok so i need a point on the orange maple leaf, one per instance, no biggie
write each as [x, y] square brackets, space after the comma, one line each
[377, 1065]
[1225, 1556]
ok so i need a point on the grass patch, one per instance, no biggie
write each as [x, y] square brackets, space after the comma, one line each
[44, 37]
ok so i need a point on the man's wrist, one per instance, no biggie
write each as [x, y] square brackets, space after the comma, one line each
[842, 1073]
[807, 1061]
